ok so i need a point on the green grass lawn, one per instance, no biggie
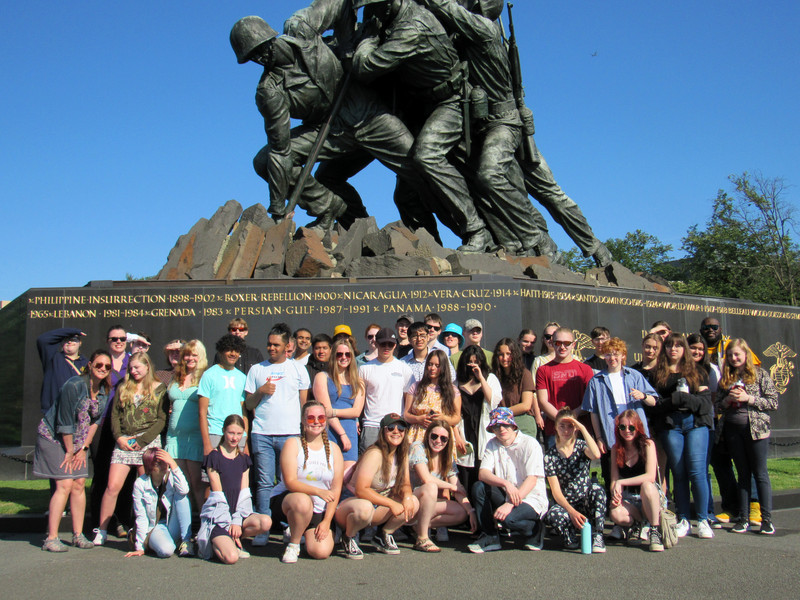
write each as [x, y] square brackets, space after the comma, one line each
[32, 497]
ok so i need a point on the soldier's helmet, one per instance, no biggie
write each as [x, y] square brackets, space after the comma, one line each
[491, 9]
[248, 34]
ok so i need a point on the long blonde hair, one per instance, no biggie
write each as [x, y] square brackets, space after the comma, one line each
[128, 387]
[191, 347]
[730, 374]
[351, 374]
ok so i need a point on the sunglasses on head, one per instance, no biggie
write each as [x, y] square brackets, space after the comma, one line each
[343, 355]
[117, 339]
[396, 427]
[628, 428]
[315, 420]
[435, 437]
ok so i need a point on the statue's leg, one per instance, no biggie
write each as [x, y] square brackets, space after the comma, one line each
[334, 175]
[440, 133]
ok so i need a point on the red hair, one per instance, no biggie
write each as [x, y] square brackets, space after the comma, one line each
[639, 440]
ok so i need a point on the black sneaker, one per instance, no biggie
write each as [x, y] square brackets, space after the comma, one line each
[767, 528]
[384, 542]
[350, 548]
[742, 526]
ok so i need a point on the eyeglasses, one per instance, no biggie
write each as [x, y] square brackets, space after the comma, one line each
[102, 366]
[561, 343]
[435, 437]
[232, 329]
[711, 327]
[343, 355]
[117, 339]
[318, 420]
[420, 336]
[613, 355]
[629, 428]
[433, 327]
[396, 427]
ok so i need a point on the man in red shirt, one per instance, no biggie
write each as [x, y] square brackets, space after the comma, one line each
[561, 382]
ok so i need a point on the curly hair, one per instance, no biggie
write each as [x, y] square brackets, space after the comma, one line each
[513, 376]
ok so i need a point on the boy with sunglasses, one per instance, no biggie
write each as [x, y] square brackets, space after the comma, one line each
[561, 383]
[510, 496]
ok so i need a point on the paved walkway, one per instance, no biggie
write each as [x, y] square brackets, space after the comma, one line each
[729, 566]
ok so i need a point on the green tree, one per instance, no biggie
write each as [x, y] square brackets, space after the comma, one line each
[576, 262]
[747, 249]
[639, 251]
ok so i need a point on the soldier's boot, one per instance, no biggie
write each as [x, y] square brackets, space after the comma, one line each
[326, 221]
[478, 242]
[602, 257]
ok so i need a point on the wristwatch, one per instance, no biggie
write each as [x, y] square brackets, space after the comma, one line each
[85, 448]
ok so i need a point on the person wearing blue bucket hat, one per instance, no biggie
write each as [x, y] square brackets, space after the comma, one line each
[510, 496]
[453, 337]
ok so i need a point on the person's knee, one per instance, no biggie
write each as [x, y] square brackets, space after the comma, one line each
[229, 556]
[428, 491]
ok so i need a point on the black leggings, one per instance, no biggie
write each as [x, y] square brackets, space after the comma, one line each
[750, 458]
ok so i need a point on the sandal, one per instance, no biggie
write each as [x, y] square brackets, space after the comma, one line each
[426, 545]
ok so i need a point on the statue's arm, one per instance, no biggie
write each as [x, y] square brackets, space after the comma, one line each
[373, 58]
[457, 19]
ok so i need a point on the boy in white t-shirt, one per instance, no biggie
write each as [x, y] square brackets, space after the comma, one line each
[275, 391]
[385, 379]
[511, 494]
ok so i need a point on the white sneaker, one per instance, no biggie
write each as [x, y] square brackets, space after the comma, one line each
[617, 533]
[287, 535]
[683, 528]
[291, 553]
[442, 535]
[261, 539]
[243, 553]
[100, 537]
[704, 530]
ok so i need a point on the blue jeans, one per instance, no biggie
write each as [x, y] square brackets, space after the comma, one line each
[267, 454]
[687, 448]
[179, 528]
[522, 519]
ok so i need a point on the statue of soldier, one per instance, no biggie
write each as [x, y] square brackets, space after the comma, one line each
[411, 44]
[503, 200]
[300, 80]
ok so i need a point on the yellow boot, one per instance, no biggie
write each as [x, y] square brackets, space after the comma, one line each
[755, 512]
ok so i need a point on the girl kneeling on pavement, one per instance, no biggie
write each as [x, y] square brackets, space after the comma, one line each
[382, 489]
[443, 500]
[162, 508]
[311, 482]
[634, 496]
[577, 499]
[227, 514]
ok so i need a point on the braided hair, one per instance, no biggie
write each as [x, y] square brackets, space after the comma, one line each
[304, 442]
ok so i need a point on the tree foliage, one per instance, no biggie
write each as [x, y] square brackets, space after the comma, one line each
[639, 251]
[747, 249]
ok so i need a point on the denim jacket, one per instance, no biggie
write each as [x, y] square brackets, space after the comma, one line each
[145, 497]
[217, 512]
[599, 400]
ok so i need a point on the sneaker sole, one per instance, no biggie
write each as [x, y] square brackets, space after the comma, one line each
[659, 548]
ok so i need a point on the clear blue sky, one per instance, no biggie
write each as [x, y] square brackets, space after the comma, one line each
[121, 124]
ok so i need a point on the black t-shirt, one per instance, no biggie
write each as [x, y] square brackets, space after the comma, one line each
[230, 474]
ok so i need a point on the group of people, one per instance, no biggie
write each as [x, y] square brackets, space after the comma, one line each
[422, 431]
[423, 86]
